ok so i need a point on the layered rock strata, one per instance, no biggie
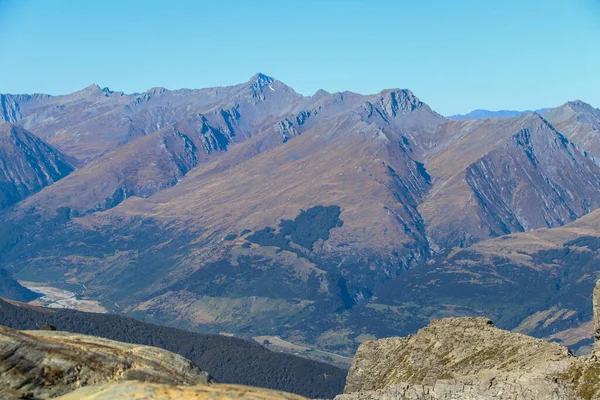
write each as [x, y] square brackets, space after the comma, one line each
[45, 364]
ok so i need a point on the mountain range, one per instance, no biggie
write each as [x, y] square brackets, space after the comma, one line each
[485, 114]
[326, 220]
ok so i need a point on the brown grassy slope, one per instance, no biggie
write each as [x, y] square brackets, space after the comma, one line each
[541, 239]
[195, 132]
[344, 161]
[535, 282]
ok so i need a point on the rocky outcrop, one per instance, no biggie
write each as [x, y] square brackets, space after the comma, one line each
[137, 390]
[580, 123]
[9, 109]
[393, 102]
[45, 364]
[27, 164]
[458, 358]
[287, 130]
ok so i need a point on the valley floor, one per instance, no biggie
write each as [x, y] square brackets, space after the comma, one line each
[54, 297]
[275, 343]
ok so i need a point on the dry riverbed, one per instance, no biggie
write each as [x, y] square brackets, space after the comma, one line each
[60, 298]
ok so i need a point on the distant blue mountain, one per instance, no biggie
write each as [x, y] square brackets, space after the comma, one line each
[483, 114]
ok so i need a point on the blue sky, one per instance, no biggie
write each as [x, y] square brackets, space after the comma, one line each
[456, 55]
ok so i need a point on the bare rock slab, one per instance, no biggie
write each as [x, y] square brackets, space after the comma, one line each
[469, 358]
[46, 364]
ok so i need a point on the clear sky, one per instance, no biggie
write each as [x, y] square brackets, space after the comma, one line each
[456, 55]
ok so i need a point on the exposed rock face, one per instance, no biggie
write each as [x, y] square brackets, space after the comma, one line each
[458, 358]
[9, 109]
[93, 121]
[137, 390]
[557, 171]
[528, 181]
[27, 164]
[580, 122]
[44, 364]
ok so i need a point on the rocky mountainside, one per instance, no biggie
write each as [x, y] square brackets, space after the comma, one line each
[27, 164]
[177, 130]
[93, 121]
[45, 364]
[580, 122]
[469, 358]
[326, 220]
[526, 178]
[575, 119]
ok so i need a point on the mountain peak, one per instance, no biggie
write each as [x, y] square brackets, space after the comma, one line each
[261, 80]
[93, 87]
[157, 90]
[320, 93]
[400, 94]
[394, 100]
[533, 118]
[576, 102]
[578, 106]
[89, 90]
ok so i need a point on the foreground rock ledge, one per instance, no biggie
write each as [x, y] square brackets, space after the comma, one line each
[138, 390]
[45, 364]
[469, 358]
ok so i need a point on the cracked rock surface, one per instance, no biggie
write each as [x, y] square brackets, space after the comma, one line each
[469, 358]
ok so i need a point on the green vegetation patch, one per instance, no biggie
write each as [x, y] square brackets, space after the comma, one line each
[591, 242]
[305, 230]
[585, 380]
[230, 236]
[311, 225]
